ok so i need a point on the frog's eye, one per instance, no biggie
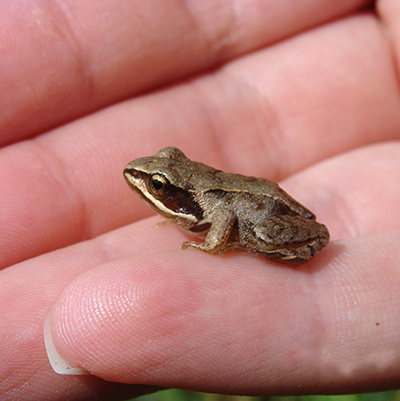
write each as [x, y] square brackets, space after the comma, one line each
[158, 184]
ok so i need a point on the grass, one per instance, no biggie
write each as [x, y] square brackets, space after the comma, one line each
[181, 395]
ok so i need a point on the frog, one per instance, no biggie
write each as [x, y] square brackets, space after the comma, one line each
[228, 211]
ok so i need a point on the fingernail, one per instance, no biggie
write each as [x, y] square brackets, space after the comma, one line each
[56, 361]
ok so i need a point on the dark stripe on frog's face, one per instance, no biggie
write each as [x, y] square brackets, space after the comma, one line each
[180, 201]
[171, 201]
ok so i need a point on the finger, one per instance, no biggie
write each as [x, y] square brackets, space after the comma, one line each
[27, 290]
[63, 61]
[225, 324]
[389, 11]
[81, 187]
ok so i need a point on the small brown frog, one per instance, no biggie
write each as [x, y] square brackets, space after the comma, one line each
[229, 210]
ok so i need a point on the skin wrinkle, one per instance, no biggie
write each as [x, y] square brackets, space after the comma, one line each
[272, 124]
[218, 41]
[212, 110]
[58, 15]
[202, 103]
[44, 38]
[391, 39]
[50, 159]
[258, 108]
[61, 13]
[346, 216]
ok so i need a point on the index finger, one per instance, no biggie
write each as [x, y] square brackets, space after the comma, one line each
[61, 60]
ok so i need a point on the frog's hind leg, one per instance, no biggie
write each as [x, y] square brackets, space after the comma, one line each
[295, 256]
[290, 239]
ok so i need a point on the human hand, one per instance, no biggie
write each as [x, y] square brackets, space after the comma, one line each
[317, 110]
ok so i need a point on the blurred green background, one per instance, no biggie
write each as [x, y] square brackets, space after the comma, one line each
[181, 395]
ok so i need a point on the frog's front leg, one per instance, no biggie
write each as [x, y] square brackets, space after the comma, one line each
[218, 234]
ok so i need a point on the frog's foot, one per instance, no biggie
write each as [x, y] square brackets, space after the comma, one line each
[202, 246]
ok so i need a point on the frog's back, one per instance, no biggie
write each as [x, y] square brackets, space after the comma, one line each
[261, 189]
[242, 183]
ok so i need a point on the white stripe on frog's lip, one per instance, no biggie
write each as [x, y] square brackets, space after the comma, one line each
[158, 204]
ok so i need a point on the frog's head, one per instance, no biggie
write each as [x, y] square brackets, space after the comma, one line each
[163, 181]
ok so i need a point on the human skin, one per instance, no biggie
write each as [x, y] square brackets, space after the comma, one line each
[303, 93]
